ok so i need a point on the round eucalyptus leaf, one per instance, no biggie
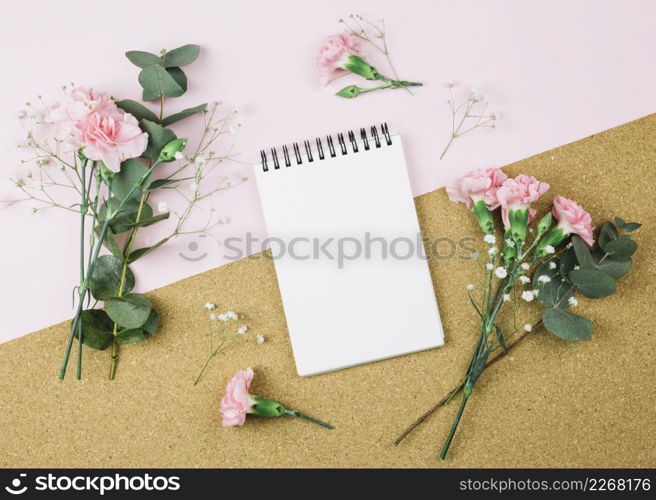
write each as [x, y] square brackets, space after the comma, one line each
[97, 329]
[557, 291]
[132, 171]
[592, 283]
[612, 267]
[568, 261]
[607, 233]
[621, 248]
[129, 311]
[131, 336]
[152, 323]
[582, 251]
[106, 279]
[566, 325]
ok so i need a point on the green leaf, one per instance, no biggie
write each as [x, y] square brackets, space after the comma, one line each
[607, 233]
[97, 329]
[132, 171]
[106, 279]
[554, 292]
[131, 336]
[566, 325]
[152, 323]
[143, 59]
[182, 55]
[622, 248]
[129, 311]
[126, 219]
[568, 261]
[152, 220]
[629, 227]
[180, 78]
[140, 252]
[139, 111]
[158, 137]
[582, 252]
[110, 242]
[183, 114]
[157, 82]
[593, 283]
[612, 267]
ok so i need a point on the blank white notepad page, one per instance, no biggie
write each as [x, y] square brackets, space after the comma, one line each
[375, 306]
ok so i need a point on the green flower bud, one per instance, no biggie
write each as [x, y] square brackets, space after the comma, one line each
[545, 223]
[553, 238]
[266, 408]
[168, 152]
[349, 92]
[484, 217]
[106, 174]
[518, 219]
[359, 66]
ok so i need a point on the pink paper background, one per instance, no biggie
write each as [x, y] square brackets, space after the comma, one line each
[556, 71]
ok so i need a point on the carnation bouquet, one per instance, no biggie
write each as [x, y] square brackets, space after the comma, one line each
[105, 160]
[549, 260]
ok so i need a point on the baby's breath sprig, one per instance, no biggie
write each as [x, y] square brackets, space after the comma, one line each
[469, 115]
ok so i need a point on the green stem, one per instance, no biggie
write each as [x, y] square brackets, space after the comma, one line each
[83, 214]
[452, 432]
[298, 414]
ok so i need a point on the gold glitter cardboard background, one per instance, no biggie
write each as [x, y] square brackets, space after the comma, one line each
[548, 403]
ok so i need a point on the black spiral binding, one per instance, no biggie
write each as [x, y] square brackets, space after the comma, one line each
[368, 141]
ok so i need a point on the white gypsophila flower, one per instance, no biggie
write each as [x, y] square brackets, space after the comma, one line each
[234, 128]
[543, 278]
[572, 301]
[490, 239]
[492, 250]
[528, 295]
[506, 297]
[576, 268]
[536, 293]
[212, 316]
[524, 279]
[470, 287]
[525, 266]
[162, 207]
[209, 306]
[200, 160]
[501, 272]
[193, 187]
[552, 265]
[178, 155]
[489, 266]
[549, 249]
[528, 328]
[510, 243]
[259, 339]
[242, 329]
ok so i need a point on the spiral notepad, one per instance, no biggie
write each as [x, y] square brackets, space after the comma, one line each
[348, 253]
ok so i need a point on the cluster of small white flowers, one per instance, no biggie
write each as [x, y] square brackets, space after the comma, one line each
[576, 268]
[228, 316]
[572, 301]
[528, 328]
[525, 266]
[259, 339]
[501, 272]
[162, 207]
[543, 278]
[490, 239]
[549, 249]
[489, 266]
[524, 279]
[528, 295]
[552, 265]
[470, 287]
[242, 329]
[209, 306]
[510, 243]
[492, 250]
[506, 297]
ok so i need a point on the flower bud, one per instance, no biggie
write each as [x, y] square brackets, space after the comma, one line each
[518, 222]
[545, 223]
[349, 92]
[484, 217]
[553, 238]
[106, 174]
[359, 66]
[266, 408]
[168, 152]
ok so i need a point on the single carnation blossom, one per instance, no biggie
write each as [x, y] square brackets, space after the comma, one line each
[477, 185]
[333, 53]
[515, 195]
[572, 219]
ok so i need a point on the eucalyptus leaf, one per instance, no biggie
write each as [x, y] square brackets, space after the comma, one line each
[106, 279]
[129, 311]
[568, 261]
[183, 114]
[143, 59]
[593, 283]
[132, 171]
[97, 329]
[158, 82]
[582, 252]
[182, 55]
[110, 243]
[140, 252]
[557, 291]
[126, 219]
[158, 137]
[131, 336]
[139, 111]
[566, 325]
[607, 233]
[629, 227]
[152, 323]
[180, 78]
[612, 267]
[151, 220]
[622, 248]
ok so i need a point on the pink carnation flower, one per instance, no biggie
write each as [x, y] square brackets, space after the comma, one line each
[333, 52]
[237, 402]
[518, 194]
[477, 185]
[91, 120]
[572, 219]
